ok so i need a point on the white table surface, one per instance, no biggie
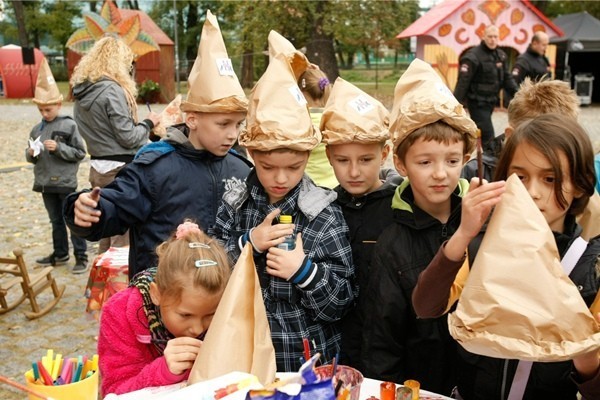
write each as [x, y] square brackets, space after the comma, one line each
[205, 390]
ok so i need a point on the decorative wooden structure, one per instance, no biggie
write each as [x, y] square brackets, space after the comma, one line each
[157, 65]
[31, 285]
[453, 26]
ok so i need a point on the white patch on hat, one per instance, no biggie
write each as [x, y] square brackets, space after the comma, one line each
[297, 95]
[443, 90]
[464, 68]
[361, 105]
[225, 67]
[50, 80]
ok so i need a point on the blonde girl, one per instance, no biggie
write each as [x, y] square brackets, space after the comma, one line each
[151, 333]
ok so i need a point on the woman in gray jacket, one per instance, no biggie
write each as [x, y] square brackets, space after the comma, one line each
[106, 114]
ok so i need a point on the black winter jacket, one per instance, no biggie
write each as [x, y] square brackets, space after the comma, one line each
[530, 64]
[482, 73]
[367, 217]
[396, 344]
[167, 182]
[489, 160]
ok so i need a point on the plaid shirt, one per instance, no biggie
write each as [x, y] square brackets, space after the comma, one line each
[296, 312]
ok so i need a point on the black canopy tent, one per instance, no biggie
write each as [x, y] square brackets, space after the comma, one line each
[578, 50]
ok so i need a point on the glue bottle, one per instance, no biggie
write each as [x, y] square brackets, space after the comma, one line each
[290, 241]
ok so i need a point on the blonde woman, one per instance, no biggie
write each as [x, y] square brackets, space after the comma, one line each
[106, 113]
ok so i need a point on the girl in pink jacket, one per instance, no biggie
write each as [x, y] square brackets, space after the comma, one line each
[151, 332]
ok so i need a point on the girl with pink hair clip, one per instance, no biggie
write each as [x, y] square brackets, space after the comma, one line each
[152, 332]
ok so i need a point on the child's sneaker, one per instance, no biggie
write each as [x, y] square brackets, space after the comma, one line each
[81, 265]
[53, 260]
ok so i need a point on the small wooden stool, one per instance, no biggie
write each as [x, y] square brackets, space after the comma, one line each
[32, 285]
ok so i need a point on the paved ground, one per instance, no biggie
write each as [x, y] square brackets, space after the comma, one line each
[24, 223]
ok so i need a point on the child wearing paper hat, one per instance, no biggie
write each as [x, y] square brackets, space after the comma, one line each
[306, 290]
[56, 149]
[355, 130]
[532, 233]
[432, 139]
[181, 176]
[315, 87]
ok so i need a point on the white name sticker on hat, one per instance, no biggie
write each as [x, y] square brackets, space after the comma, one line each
[50, 80]
[225, 67]
[297, 95]
[361, 104]
[443, 90]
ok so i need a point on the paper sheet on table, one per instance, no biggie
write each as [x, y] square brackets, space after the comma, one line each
[517, 302]
[36, 145]
[239, 338]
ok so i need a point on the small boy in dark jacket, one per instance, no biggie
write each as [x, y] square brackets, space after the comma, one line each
[56, 149]
[432, 139]
[355, 131]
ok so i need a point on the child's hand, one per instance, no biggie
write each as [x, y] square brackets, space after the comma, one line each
[154, 117]
[283, 263]
[50, 145]
[181, 353]
[30, 152]
[587, 364]
[265, 235]
[478, 204]
[85, 208]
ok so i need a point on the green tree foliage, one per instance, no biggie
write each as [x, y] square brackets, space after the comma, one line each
[51, 20]
[555, 8]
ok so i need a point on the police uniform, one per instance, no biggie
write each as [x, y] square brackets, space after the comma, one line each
[483, 72]
[530, 64]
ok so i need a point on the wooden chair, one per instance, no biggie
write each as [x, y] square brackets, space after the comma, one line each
[32, 285]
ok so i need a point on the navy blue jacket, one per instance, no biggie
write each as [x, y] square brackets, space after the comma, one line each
[166, 183]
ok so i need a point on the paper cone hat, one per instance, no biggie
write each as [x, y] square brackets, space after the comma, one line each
[352, 116]
[280, 45]
[278, 116]
[46, 91]
[589, 219]
[517, 302]
[214, 87]
[239, 338]
[421, 98]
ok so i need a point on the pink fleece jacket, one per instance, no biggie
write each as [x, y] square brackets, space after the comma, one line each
[125, 363]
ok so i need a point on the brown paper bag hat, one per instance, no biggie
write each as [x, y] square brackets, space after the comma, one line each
[239, 338]
[278, 116]
[46, 90]
[352, 116]
[170, 116]
[280, 45]
[214, 87]
[517, 302]
[421, 98]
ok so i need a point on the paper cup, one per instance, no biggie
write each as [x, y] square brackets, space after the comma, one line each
[348, 375]
[86, 389]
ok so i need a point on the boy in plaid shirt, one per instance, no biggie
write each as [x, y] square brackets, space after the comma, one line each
[309, 289]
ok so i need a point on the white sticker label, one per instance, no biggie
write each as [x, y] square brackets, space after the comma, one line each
[361, 105]
[225, 67]
[50, 80]
[297, 95]
[443, 90]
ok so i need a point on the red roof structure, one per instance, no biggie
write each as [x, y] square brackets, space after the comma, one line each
[459, 24]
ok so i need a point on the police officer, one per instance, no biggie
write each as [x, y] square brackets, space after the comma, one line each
[533, 63]
[483, 72]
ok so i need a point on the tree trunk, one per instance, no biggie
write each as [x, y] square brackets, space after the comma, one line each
[350, 60]
[247, 80]
[319, 49]
[93, 6]
[191, 44]
[367, 58]
[20, 18]
[340, 55]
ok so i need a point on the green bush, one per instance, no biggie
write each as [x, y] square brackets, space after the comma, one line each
[148, 90]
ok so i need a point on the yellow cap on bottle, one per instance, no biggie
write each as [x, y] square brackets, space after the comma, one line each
[285, 219]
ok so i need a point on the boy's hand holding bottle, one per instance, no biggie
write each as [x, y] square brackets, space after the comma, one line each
[266, 235]
[284, 263]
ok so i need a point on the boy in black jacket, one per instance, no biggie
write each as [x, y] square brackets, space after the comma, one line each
[432, 139]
